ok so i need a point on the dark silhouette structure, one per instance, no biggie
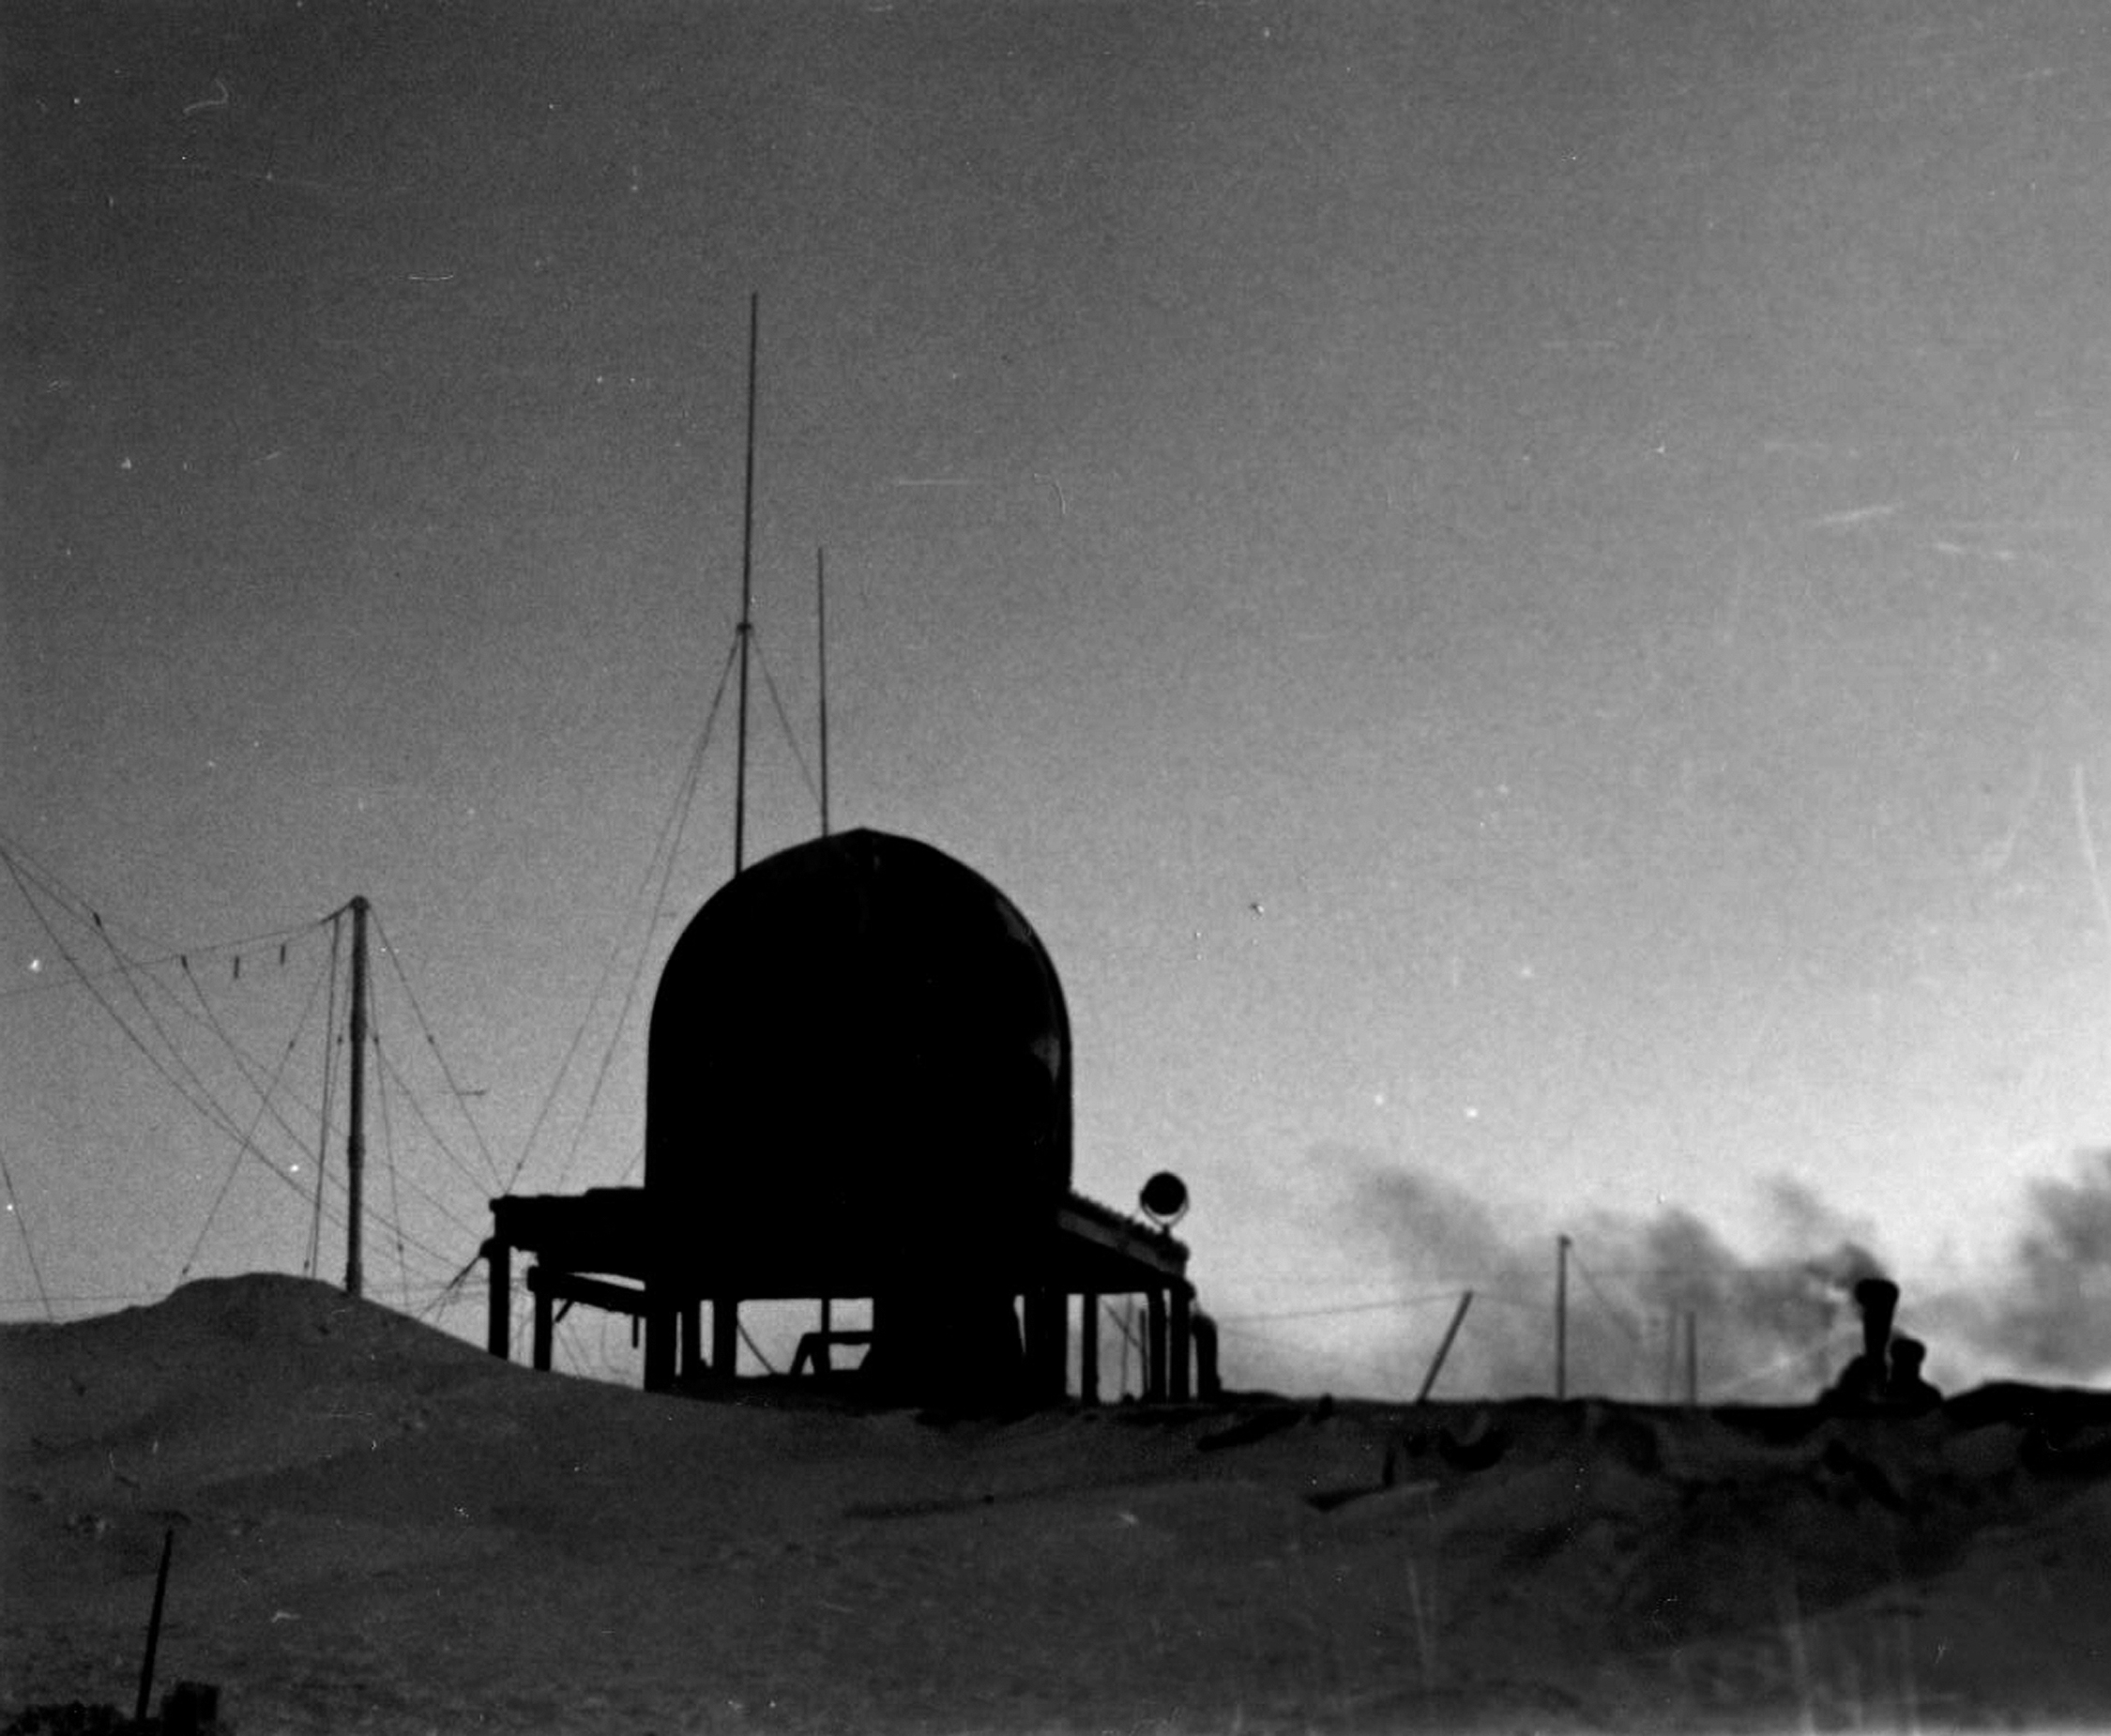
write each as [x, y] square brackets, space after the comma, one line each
[1906, 1390]
[858, 1085]
[1886, 1376]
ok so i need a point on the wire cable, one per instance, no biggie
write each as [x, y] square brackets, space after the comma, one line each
[28, 1247]
[669, 842]
[264, 1100]
[388, 1157]
[330, 1080]
[209, 1109]
[1634, 1333]
[432, 1042]
[458, 1164]
[791, 736]
[85, 914]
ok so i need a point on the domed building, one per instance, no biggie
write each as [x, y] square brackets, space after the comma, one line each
[858, 1085]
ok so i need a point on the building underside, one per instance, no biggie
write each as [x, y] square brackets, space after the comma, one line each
[609, 1248]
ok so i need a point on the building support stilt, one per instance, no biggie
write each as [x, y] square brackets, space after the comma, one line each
[498, 1332]
[1178, 1388]
[1088, 1348]
[692, 1338]
[545, 1326]
[1154, 1348]
[661, 1318]
[725, 1336]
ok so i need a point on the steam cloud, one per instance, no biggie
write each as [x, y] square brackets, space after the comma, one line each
[1767, 1323]
[1771, 1328]
[2049, 1318]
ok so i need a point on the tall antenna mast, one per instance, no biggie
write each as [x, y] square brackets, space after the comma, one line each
[821, 630]
[355, 1140]
[747, 595]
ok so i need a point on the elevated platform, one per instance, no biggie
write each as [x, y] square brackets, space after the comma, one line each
[608, 1248]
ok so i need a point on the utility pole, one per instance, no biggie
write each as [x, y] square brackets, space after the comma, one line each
[1561, 1317]
[747, 595]
[1692, 1358]
[356, 1140]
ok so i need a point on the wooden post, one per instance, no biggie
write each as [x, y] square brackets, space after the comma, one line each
[1088, 1348]
[154, 1626]
[1154, 1350]
[355, 1138]
[545, 1323]
[498, 1333]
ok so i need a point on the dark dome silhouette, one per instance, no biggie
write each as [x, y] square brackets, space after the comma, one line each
[859, 1057]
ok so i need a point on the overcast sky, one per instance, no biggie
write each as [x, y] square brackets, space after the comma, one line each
[1518, 590]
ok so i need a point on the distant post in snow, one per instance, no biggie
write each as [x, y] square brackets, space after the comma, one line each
[1561, 1317]
[153, 1628]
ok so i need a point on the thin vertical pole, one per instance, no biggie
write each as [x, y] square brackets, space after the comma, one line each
[747, 596]
[153, 1628]
[821, 628]
[356, 1140]
[1693, 1360]
[1561, 1317]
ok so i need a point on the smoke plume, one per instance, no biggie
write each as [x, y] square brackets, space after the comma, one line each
[2048, 1315]
[1761, 1328]
[1773, 1325]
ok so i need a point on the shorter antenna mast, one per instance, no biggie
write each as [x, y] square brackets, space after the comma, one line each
[746, 594]
[821, 628]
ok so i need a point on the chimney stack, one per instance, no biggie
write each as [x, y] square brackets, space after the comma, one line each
[1877, 1299]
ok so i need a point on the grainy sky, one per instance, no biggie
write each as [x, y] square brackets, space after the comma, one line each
[1518, 590]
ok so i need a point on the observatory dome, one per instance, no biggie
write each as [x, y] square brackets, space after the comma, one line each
[859, 1057]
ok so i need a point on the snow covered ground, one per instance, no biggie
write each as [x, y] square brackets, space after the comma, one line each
[379, 1527]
